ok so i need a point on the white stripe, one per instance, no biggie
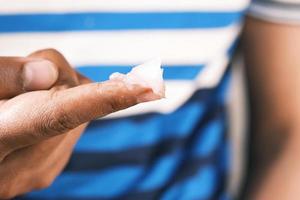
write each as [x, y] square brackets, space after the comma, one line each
[125, 47]
[213, 72]
[38, 6]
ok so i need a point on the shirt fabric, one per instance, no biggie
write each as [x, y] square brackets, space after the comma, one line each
[277, 11]
[176, 148]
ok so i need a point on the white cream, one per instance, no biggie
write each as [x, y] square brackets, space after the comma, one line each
[149, 74]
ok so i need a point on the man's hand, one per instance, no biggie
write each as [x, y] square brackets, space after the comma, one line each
[38, 129]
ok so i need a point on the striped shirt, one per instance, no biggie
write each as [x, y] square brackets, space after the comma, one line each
[176, 148]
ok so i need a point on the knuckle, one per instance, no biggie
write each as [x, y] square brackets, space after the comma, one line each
[47, 53]
[121, 102]
[116, 104]
[113, 102]
[7, 144]
[57, 122]
[107, 106]
[5, 149]
[51, 51]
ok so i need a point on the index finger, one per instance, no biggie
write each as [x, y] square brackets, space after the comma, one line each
[35, 116]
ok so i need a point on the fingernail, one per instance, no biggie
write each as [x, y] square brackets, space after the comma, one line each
[39, 75]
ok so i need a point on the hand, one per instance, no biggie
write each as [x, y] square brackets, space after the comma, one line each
[38, 129]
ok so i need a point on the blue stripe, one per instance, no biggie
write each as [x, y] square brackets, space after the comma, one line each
[225, 156]
[225, 197]
[200, 186]
[97, 73]
[108, 183]
[165, 168]
[114, 135]
[161, 172]
[115, 21]
[121, 180]
[98, 160]
[210, 138]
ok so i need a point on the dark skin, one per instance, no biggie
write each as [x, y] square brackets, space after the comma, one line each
[38, 129]
[273, 68]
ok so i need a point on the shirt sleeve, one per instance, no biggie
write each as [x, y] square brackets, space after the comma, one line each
[278, 11]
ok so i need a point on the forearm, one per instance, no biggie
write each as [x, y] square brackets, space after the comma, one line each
[273, 70]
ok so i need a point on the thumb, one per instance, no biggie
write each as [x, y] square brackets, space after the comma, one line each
[18, 75]
[39, 74]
